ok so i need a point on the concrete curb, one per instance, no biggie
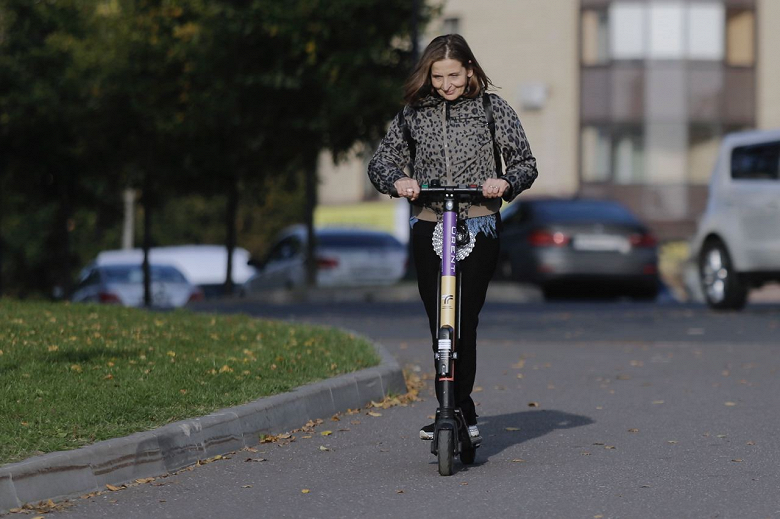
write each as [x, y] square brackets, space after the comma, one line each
[178, 445]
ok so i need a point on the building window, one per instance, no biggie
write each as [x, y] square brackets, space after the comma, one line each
[628, 160]
[740, 38]
[627, 30]
[596, 154]
[667, 30]
[703, 144]
[450, 25]
[595, 37]
[705, 32]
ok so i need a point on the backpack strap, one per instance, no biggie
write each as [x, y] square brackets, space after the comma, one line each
[492, 125]
[408, 138]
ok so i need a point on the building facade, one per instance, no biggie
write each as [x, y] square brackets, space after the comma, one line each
[621, 99]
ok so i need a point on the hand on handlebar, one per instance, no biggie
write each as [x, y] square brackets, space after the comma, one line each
[494, 187]
[407, 188]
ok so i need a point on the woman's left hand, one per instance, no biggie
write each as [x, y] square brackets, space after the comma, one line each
[494, 187]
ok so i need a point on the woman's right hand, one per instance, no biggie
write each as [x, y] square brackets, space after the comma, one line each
[407, 188]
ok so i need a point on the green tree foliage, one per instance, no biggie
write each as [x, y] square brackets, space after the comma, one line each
[219, 107]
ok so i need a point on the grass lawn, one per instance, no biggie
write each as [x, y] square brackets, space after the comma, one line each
[71, 375]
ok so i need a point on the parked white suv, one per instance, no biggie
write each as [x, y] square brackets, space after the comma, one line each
[737, 244]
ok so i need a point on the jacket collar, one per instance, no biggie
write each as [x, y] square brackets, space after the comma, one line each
[435, 100]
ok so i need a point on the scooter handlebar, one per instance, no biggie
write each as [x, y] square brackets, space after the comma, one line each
[472, 190]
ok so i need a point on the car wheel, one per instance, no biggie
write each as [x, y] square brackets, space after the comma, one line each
[720, 283]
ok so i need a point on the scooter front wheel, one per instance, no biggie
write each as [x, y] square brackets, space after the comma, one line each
[446, 451]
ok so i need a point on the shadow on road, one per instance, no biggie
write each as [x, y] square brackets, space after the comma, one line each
[505, 430]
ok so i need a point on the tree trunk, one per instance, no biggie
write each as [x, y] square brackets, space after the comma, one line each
[128, 226]
[2, 244]
[311, 203]
[63, 226]
[231, 213]
[147, 242]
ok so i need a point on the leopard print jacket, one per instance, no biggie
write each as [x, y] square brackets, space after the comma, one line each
[453, 144]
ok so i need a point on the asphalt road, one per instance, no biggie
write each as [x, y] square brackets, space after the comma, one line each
[588, 410]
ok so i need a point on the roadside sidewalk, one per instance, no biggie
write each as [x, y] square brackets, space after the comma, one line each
[178, 445]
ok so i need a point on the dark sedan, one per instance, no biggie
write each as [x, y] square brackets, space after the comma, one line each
[578, 247]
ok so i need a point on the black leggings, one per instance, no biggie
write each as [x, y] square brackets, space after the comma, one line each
[476, 270]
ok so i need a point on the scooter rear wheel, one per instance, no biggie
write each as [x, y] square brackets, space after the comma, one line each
[446, 451]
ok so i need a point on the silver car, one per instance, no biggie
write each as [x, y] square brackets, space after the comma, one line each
[737, 243]
[345, 257]
[123, 284]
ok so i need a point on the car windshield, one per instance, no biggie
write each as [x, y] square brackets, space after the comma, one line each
[135, 274]
[358, 241]
[582, 210]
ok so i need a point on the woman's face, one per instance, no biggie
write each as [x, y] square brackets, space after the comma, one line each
[449, 77]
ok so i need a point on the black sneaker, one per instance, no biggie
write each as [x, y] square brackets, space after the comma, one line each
[426, 433]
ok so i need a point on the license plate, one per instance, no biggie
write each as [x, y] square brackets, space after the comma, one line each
[601, 242]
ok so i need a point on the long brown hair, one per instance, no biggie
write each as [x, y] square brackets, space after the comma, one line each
[448, 46]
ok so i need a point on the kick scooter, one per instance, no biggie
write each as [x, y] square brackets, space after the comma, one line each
[451, 435]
